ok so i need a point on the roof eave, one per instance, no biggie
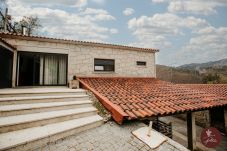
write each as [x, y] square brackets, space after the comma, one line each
[85, 43]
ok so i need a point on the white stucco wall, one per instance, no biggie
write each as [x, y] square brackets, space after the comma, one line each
[81, 58]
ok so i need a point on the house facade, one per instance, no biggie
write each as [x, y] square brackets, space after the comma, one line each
[47, 61]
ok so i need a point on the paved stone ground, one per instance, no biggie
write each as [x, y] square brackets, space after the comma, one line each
[180, 126]
[109, 137]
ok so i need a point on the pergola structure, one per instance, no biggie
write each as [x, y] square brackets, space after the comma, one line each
[140, 98]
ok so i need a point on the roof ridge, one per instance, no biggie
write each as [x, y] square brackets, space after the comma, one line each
[2, 34]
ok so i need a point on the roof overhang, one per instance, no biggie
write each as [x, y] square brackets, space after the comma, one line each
[76, 42]
[142, 98]
[6, 45]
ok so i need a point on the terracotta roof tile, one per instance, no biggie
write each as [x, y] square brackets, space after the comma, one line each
[87, 43]
[217, 89]
[136, 98]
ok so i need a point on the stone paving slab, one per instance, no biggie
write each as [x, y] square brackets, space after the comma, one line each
[109, 137]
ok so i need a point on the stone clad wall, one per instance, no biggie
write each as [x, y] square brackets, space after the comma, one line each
[81, 58]
[81, 62]
[202, 118]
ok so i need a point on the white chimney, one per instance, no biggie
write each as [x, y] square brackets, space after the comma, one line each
[24, 30]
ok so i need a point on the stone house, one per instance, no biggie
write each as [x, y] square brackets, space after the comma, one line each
[48, 61]
[123, 78]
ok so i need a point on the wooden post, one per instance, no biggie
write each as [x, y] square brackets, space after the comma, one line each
[225, 119]
[191, 131]
[14, 74]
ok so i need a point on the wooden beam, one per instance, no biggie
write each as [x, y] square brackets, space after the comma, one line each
[191, 131]
[225, 119]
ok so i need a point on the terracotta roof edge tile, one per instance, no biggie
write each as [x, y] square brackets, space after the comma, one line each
[117, 113]
[140, 98]
[98, 44]
[116, 77]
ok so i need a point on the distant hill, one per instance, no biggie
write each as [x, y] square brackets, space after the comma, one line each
[194, 72]
[199, 66]
[177, 75]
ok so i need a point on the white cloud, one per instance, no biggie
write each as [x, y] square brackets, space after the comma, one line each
[205, 43]
[72, 3]
[80, 3]
[195, 6]
[128, 11]
[159, 1]
[101, 2]
[113, 31]
[97, 14]
[208, 45]
[204, 7]
[61, 24]
[155, 31]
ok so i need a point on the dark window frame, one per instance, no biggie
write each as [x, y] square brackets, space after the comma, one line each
[141, 63]
[104, 70]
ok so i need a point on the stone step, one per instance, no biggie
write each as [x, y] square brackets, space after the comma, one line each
[13, 123]
[32, 138]
[10, 110]
[40, 92]
[41, 99]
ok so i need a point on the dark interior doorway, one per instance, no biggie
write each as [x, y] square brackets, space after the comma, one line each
[29, 68]
[6, 67]
[217, 118]
[39, 69]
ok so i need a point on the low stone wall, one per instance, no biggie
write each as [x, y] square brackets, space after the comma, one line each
[202, 118]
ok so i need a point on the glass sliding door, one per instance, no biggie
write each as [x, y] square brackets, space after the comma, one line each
[55, 70]
[49, 69]
[41, 73]
[62, 70]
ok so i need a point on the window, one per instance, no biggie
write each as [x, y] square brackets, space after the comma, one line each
[103, 65]
[141, 63]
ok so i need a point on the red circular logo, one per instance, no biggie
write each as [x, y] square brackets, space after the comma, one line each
[210, 137]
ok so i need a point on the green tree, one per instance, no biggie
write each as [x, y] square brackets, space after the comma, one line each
[30, 23]
[2, 9]
[211, 78]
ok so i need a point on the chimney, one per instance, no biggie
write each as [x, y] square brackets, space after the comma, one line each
[24, 30]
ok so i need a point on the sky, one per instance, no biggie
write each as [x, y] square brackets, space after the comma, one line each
[185, 31]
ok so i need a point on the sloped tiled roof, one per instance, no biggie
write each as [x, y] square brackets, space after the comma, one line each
[86, 43]
[217, 89]
[137, 98]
